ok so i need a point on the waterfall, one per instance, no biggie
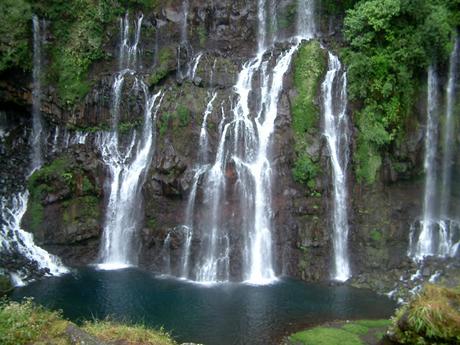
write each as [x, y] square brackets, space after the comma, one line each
[194, 66]
[425, 244]
[438, 233]
[306, 27]
[128, 53]
[127, 166]
[203, 143]
[449, 133]
[127, 172]
[334, 93]
[15, 240]
[240, 173]
[37, 122]
[201, 168]
[184, 26]
[242, 152]
[188, 226]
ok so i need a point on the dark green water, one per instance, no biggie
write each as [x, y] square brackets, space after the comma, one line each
[224, 314]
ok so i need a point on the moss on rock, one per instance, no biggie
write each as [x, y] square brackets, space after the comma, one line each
[166, 64]
[309, 68]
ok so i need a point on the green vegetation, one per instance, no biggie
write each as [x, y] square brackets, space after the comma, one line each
[15, 23]
[26, 323]
[334, 7]
[166, 61]
[138, 334]
[202, 35]
[326, 336]
[432, 317]
[305, 170]
[342, 333]
[287, 16]
[5, 284]
[81, 209]
[61, 178]
[376, 236]
[78, 30]
[179, 119]
[183, 115]
[90, 129]
[390, 45]
[309, 68]
[57, 169]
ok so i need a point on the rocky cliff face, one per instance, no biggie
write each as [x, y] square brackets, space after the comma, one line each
[70, 193]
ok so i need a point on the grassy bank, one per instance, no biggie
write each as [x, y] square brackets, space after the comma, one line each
[343, 333]
[27, 323]
[431, 317]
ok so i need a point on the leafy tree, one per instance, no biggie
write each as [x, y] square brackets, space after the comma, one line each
[391, 42]
[15, 23]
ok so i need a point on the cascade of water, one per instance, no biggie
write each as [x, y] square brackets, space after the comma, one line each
[425, 244]
[203, 143]
[184, 27]
[242, 158]
[334, 93]
[188, 226]
[165, 251]
[54, 143]
[449, 133]
[194, 66]
[128, 54]
[438, 233]
[306, 27]
[15, 241]
[127, 172]
[37, 122]
[202, 167]
[260, 269]
[262, 28]
[127, 167]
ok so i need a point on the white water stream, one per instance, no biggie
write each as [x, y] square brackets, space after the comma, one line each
[334, 93]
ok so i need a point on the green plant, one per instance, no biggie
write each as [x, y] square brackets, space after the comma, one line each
[432, 317]
[202, 35]
[305, 171]
[309, 68]
[326, 336]
[390, 43]
[355, 328]
[166, 62]
[25, 323]
[183, 115]
[135, 334]
[376, 236]
[164, 123]
[15, 28]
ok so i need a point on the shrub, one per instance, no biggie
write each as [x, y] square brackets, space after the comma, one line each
[432, 317]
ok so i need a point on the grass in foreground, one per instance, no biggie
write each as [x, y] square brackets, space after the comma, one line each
[27, 323]
[138, 334]
[343, 333]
